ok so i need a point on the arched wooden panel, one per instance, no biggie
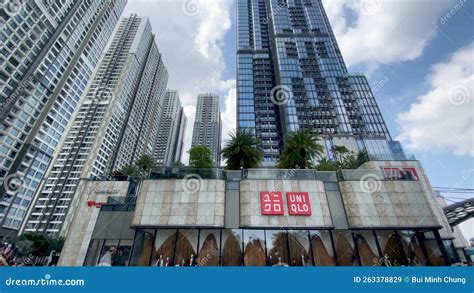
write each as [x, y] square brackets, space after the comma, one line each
[166, 250]
[344, 250]
[279, 250]
[232, 253]
[209, 254]
[392, 251]
[184, 250]
[321, 255]
[367, 256]
[298, 253]
[254, 254]
[144, 259]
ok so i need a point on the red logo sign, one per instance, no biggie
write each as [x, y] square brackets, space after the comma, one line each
[298, 203]
[271, 203]
[401, 174]
[92, 203]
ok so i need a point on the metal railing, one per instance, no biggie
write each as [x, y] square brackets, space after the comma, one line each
[288, 174]
[180, 173]
[391, 157]
[261, 173]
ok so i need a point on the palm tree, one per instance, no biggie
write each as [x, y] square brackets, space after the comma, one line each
[300, 150]
[241, 151]
[145, 164]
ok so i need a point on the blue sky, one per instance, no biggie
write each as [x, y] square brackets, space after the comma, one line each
[418, 56]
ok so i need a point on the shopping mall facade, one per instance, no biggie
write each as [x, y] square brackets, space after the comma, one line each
[383, 214]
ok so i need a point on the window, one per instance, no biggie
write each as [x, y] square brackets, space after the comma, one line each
[209, 247]
[254, 252]
[164, 248]
[277, 248]
[345, 249]
[322, 249]
[186, 247]
[367, 248]
[232, 247]
[299, 246]
[143, 246]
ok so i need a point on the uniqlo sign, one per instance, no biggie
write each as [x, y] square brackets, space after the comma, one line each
[298, 203]
[271, 203]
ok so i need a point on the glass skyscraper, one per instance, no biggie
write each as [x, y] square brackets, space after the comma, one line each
[49, 52]
[117, 122]
[291, 76]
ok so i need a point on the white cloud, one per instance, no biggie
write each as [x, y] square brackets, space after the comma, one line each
[229, 117]
[443, 118]
[386, 31]
[190, 34]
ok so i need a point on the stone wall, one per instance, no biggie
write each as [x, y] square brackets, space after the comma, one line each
[392, 204]
[163, 203]
[250, 208]
[427, 191]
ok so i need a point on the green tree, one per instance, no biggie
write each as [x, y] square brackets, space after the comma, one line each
[362, 157]
[36, 244]
[145, 164]
[341, 155]
[130, 170]
[326, 165]
[200, 157]
[343, 159]
[301, 148]
[241, 151]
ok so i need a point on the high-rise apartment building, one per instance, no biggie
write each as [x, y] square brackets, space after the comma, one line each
[117, 121]
[49, 52]
[291, 75]
[208, 125]
[170, 139]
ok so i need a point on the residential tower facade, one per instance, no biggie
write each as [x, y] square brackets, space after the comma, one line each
[170, 139]
[116, 123]
[208, 125]
[50, 53]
